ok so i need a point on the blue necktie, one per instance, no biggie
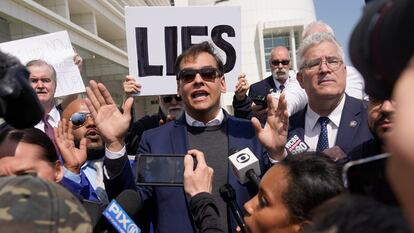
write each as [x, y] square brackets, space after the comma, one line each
[281, 87]
[323, 136]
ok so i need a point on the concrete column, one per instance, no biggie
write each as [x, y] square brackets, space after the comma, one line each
[86, 21]
[293, 48]
[4, 31]
[119, 43]
[60, 7]
[19, 31]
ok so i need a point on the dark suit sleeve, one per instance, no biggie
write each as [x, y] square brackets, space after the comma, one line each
[136, 130]
[205, 213]
[242, 109]
[120, 176]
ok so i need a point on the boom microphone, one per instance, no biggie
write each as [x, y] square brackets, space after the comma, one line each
[228, 194]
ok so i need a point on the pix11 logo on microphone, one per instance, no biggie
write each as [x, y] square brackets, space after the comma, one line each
[120, 219]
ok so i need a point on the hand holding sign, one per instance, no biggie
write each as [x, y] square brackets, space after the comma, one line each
[154, 42]
[55, 49]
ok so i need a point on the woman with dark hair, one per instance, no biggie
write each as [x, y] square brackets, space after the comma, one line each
[290, 190]
[29, 150]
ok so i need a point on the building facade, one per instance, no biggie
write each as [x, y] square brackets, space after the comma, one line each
[97, 31]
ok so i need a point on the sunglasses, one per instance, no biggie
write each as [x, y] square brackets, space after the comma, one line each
[167, 99]
[207, 74]
[79, 118]
[277, 62]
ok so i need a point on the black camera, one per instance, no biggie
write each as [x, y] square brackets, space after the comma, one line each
[19, 104]
[381, 44]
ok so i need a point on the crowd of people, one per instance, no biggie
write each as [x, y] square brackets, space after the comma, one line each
[78, 153]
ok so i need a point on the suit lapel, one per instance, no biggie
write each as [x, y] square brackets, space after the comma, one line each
[270, 84]
[233, 141]
[297, 124]
[350, 122]
[178, 136]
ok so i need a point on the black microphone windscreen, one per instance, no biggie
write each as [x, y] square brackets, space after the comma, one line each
[227, 193]
[130, 201]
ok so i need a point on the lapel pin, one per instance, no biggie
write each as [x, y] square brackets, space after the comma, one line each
[353, 124]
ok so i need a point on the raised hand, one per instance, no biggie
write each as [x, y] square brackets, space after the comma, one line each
[198, 180]
[241, 88]
[111, 123]
[273, 135]
[77, 59]
[131, 86]
[74, 157]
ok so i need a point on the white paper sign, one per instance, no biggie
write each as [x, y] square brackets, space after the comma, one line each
[55, 49]
[156, 36]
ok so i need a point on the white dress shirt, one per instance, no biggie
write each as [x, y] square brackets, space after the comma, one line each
[216, 121]
[190, 121]
[313, 128]
[295, 95]
[53, 119]
[355, 85]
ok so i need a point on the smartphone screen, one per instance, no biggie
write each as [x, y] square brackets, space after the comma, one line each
[159, 170]
[367, 177]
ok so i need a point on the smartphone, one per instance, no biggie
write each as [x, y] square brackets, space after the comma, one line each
[260, 100]
[367, 177]
[159, 169]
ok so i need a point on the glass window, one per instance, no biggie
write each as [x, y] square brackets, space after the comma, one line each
[273, 38]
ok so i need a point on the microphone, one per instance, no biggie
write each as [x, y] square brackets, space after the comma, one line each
[116, 216]
[228, 194]
[295, 145]
[245, 166]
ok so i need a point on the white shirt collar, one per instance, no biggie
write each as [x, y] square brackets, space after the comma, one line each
[334, 116]
[54, 115]
[216, 121]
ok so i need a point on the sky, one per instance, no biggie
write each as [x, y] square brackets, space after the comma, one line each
[342, 16]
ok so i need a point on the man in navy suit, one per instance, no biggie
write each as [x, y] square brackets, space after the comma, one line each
[279, 81]
[204, 126]
[332, 119]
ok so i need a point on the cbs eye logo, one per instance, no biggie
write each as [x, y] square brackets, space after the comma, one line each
[242, 158]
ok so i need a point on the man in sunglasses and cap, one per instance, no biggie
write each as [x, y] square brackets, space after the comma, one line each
[204, 126]
[246, 106]
[171, 107]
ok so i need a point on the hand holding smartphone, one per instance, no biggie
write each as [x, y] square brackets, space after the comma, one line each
[160, 169]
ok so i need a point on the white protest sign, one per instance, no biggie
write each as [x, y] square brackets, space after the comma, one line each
[157, 35]
[55, 49]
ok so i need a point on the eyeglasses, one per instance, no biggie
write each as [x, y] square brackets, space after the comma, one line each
[333, 63]
[277, 62]
[207, 74]
[78, 119]
[167, 99]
